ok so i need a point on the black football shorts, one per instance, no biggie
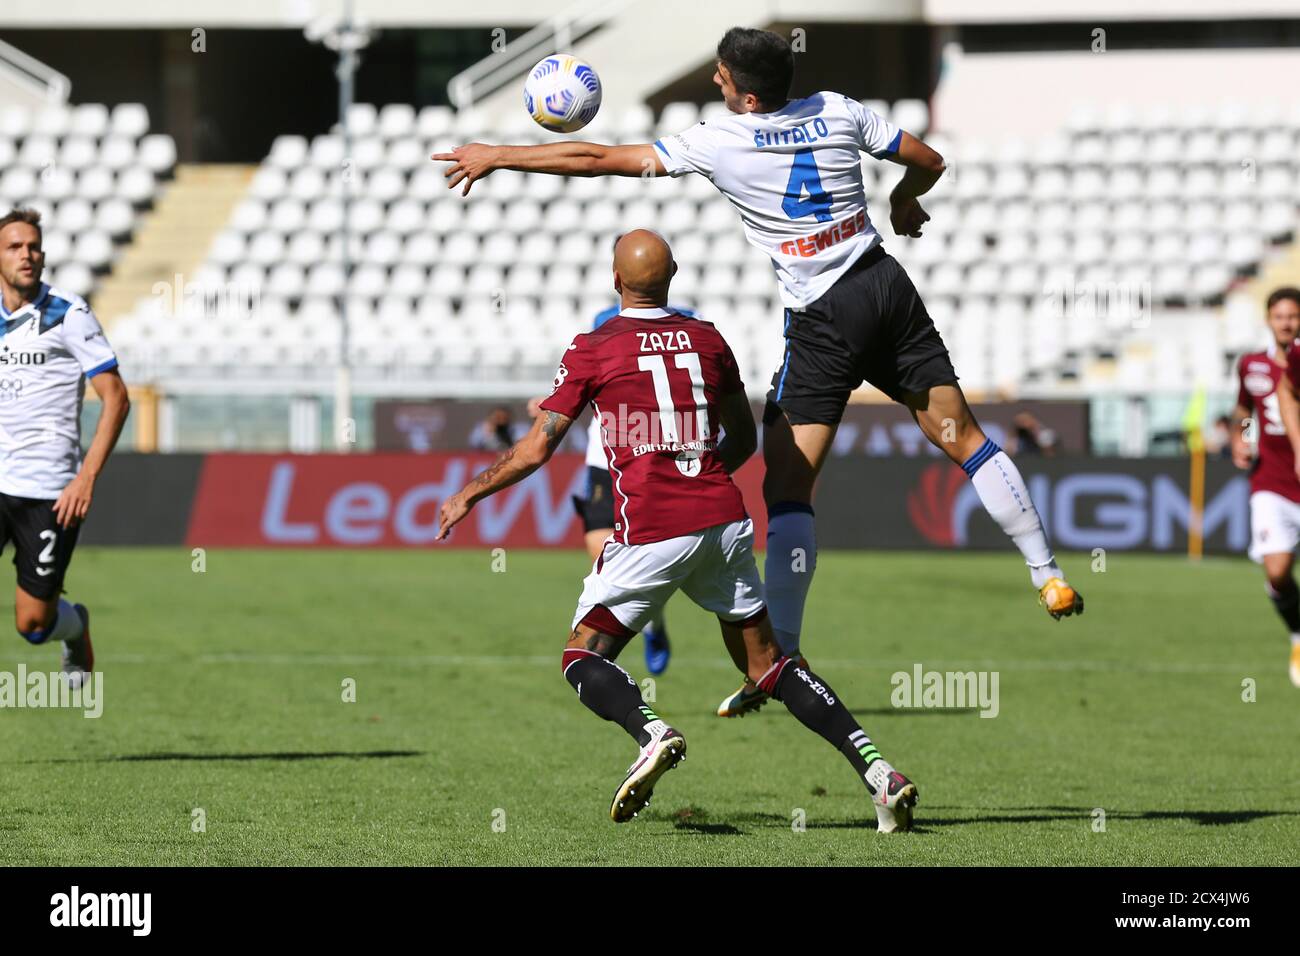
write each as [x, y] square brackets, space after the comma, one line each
[597, 509]
[871, 326]
[42, 550]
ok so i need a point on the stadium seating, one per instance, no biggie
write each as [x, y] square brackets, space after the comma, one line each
[90, 171]
[1045, 264]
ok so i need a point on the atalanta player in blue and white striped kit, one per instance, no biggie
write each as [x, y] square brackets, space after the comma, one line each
[50, 344]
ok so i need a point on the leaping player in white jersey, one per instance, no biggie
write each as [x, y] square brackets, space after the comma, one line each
[791, 169]
[50, 343]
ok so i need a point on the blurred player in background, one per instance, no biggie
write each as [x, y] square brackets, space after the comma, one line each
[680, 523]
[50, 343]
[1265, 441]
[497, 432]
[791, 168]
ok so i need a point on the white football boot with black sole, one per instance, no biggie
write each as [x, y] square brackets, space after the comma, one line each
[666, 749]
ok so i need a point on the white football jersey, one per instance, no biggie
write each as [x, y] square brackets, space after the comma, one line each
[795, 176]
[48, 348]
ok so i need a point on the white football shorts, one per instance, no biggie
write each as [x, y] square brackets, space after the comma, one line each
[1274, 525]
[715, 568]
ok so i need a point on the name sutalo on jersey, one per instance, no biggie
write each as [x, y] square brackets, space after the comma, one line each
[796, 134]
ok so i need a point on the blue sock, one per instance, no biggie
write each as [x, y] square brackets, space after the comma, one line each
[788, 569]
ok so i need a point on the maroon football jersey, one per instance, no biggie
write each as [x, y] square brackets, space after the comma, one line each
[1274, 468]
[654, 379]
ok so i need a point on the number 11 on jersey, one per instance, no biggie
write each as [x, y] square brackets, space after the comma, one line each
[668, 414]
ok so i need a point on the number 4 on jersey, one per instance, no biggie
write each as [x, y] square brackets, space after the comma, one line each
[804, 177]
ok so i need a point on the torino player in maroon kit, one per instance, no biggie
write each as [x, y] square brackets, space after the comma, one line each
[661, 384]
[1268, 383]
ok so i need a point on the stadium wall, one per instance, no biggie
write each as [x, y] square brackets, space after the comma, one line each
[391, 501]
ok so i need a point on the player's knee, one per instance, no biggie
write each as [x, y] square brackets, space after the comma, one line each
[30, 621]
[779, 486]
[33, 635]
[960, 437]
[1281, 581]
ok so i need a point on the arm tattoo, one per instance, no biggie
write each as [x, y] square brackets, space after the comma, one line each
[507, 469]
[551, 427]
[486, 479]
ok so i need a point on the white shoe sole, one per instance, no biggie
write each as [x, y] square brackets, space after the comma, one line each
[637, 789]
[900, 817]
[750, 706]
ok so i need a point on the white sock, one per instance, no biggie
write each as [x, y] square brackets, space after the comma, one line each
[788, 569]
[1003, 493]
[1295, 640]
[67, 623]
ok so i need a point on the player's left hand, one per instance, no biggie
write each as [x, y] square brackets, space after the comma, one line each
[906, 216]
[74, 502]
[450, 514]
[470, 163]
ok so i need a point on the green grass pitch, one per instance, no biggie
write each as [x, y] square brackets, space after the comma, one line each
[223, 692]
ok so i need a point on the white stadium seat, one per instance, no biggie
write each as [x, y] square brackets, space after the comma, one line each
[157, 154]
[396, 121]
[77, 153]
[406, 155]
[362, 119]
[94, 249]
[114, 217]
[52, 121]
[56, 183]
[305, 248]
[677, 117]
[287, 216]
[74, 215]
[421, 249]
[912, 116]
[130, 120]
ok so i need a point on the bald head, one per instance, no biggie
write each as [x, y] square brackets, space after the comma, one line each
[643, 268]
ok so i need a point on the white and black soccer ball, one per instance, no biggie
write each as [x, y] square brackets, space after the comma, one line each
[562, 93]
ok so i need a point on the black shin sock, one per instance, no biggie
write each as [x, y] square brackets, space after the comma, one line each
[1287, 603]
[608, 691]
[814, 703]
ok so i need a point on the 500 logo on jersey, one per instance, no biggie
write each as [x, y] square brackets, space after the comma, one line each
[10, 357]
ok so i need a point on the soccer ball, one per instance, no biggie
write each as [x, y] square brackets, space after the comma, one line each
[562, 93]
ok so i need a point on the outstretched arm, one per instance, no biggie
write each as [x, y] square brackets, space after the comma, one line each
[476, 160]
[515, 464]
[924, 167]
